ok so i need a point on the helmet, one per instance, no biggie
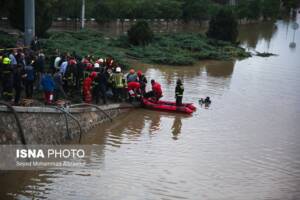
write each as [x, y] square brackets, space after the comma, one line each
[179, 81]
[96, 65]
[6, 61]
[93, 74]
[118, 69]
[139, 73]
[131, 71]
[101, 60]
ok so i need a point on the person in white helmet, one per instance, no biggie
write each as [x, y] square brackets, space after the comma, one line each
[97, 67]
[118, 83]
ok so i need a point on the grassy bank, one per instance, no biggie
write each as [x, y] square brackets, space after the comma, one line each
[170, 49]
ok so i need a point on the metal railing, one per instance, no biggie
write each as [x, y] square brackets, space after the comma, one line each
[20, 132]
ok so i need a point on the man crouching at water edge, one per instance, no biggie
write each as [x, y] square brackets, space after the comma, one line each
[156, 92]
[179, 92]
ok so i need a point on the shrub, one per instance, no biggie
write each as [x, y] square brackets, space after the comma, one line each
[140, 34]
[223, 26]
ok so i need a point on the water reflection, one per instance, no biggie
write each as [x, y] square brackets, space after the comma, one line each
[251, 34]
[220, 68]
[176, 127]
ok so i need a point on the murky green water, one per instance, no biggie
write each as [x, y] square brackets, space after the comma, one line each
[246, 145]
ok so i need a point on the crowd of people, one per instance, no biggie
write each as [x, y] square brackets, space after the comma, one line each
[66, 76]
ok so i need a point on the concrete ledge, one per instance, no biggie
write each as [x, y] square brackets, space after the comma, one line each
[47, 125]
[49, 109]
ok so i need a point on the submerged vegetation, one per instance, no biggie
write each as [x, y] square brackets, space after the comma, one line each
[185, 49]
[170, 49]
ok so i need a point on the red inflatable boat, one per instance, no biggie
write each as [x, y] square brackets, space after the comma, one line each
[169, 106]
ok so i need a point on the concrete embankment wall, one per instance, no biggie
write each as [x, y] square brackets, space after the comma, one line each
[47, 125]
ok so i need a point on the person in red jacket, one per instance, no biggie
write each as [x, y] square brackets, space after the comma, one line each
[87, 87]
[134, 90]
[156, 92]
[156, 88]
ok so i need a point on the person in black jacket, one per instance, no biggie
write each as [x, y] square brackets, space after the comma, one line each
[142, 80]
[7, 78]
[179, 92]
[100, 87]
[29, 77]
[18, 77]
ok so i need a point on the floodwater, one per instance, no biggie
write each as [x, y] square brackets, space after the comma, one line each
[245, 145]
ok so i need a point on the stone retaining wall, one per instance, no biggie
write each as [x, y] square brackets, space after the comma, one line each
[46, 125]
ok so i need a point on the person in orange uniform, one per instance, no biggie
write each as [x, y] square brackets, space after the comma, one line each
[87, 87]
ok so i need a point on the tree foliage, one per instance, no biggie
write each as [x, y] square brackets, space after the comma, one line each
[140, 33]
[43, 15]
[223, 26]
[197, 10]
[290, 3]
[254, 9]
[270, 8]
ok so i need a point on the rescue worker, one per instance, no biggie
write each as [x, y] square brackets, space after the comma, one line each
[132, 77]
[134, 90]
[87, 87]
[109, 62]
[7, 79]
[70, 76]
[100, 87]
[179, 92]
[142, 80]
[101, 63]
[118, 83]
[156, 92]
[97, 67]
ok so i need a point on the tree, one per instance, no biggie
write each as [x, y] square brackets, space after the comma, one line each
[197, 10]
[103, 12]
[289, 4]
[223, 26]
[254, 9]
[169, 9]
[145, 9]
[249, 9]
[140, 33]
[270, 8]
[43, 15]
